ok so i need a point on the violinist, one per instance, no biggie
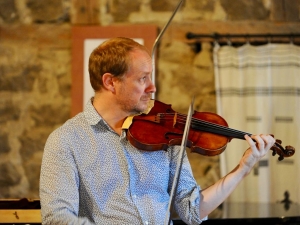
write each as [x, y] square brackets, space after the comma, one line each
[90, 172]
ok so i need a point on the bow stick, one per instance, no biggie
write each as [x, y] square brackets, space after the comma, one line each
[179, 161]
[157, 40]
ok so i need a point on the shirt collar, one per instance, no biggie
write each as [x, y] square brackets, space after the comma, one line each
[91, 114]
[93, 117]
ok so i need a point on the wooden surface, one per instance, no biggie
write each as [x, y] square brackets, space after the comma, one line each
[20, 216]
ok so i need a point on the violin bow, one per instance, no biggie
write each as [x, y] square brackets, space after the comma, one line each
[180, 160]
[188, 121]
[157, 40]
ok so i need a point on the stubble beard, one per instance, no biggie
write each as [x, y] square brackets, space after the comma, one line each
[138, 108]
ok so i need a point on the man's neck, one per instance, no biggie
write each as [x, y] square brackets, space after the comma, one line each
[110, 112]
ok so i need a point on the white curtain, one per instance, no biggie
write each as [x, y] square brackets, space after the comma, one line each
[258, 91]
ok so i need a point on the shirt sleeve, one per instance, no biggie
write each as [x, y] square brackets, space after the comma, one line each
[59, 183]
[187, 195]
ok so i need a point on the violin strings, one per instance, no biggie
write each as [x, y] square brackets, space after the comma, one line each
[181, 118]
[217, 126]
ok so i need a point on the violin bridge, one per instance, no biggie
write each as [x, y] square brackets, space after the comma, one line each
[174, 119]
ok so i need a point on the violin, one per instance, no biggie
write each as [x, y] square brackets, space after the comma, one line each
[208, 135]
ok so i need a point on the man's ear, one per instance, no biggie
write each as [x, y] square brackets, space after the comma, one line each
[108, 82]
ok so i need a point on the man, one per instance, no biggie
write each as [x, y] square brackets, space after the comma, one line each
[91, 174]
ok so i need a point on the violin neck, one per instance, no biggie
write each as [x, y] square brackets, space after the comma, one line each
[218, 129]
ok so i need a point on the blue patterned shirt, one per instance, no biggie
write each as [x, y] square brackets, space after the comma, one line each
[92, 175]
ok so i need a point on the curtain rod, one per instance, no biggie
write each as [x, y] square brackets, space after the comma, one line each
[229, 37]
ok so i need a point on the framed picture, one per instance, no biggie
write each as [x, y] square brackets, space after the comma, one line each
[84, 40]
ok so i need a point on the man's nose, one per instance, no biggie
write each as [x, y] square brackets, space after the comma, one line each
[151, 87]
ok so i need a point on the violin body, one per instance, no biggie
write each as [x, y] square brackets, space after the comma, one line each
[154, 131]
[208, 134]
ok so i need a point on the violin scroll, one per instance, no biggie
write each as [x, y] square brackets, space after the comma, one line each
[279, 150]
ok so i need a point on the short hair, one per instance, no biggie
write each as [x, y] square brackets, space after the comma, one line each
[112, 56]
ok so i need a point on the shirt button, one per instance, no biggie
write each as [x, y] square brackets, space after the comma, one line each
[146, 222]
[134, 196]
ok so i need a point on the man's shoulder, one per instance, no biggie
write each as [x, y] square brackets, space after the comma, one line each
[70, 127]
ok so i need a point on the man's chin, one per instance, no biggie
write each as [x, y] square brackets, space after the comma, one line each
[141, 108]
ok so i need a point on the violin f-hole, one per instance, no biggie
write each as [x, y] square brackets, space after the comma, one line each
[168, 134]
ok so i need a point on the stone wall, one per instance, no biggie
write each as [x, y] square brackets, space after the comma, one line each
[35, 67]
